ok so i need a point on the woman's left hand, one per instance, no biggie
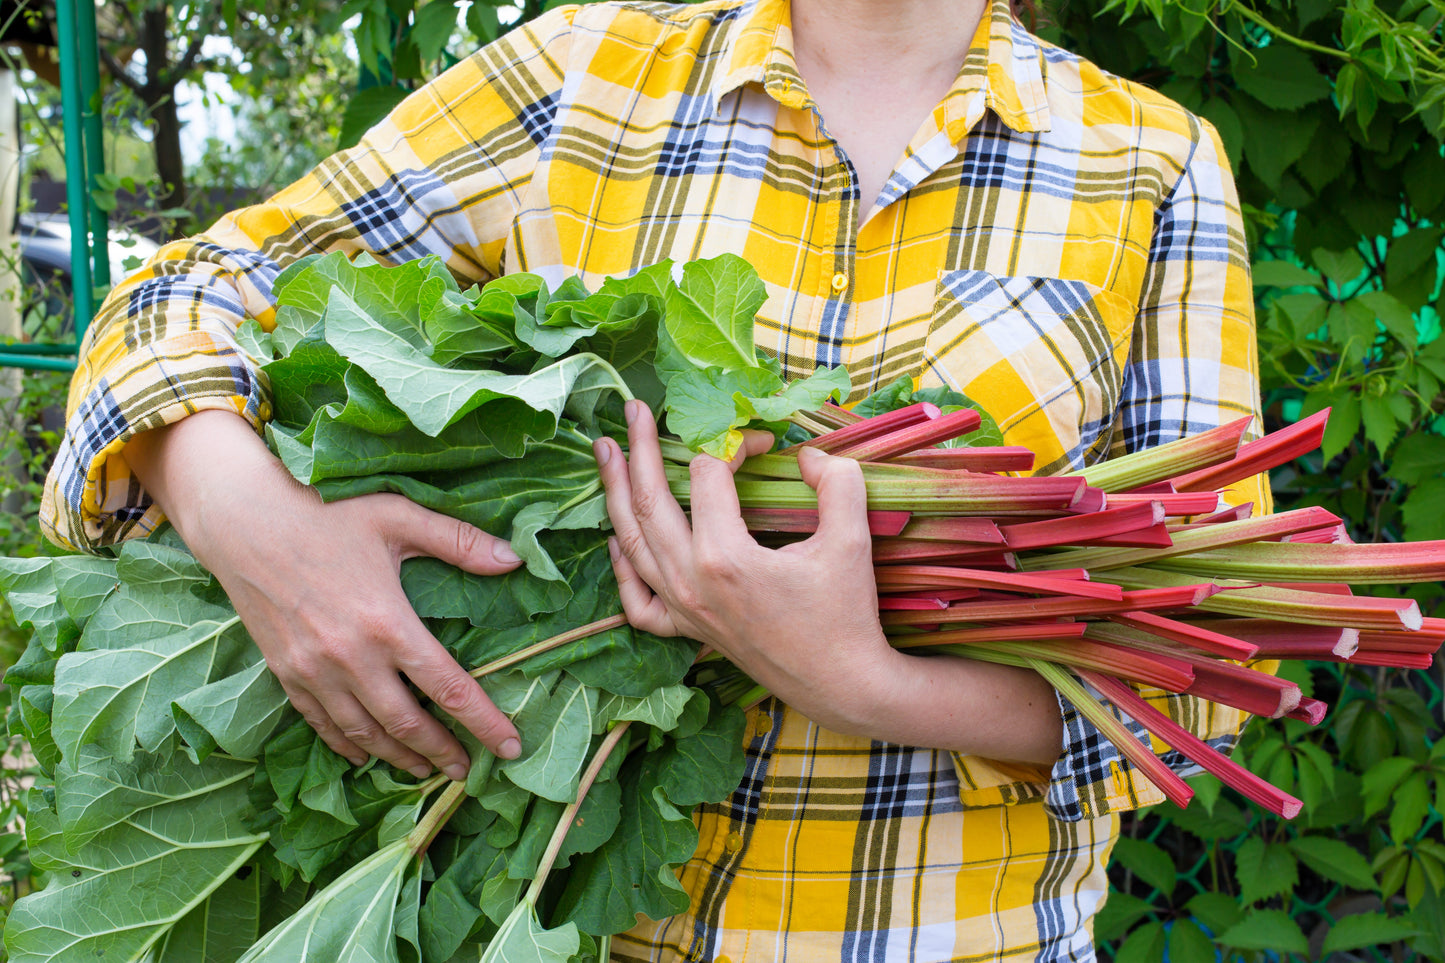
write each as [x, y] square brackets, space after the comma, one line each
[801, 620]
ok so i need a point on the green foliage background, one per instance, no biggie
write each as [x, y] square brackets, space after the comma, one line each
[1333, 113]
[1332, 116]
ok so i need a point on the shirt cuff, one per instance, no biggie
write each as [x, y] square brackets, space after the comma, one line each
[91, 499]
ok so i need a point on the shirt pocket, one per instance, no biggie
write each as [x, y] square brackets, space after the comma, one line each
[1044, 356]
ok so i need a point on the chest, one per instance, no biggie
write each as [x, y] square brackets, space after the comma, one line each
[996, 266]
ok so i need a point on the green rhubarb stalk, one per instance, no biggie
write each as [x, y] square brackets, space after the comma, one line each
[1167, 460]
[1166, 780]
[977, 494]
[547, 645]
[1253, 600]
[564, 823]
[1370, 564]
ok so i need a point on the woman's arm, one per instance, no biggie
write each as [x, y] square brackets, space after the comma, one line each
[803, 620]
[318, 587]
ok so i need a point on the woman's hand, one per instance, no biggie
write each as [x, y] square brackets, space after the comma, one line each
[318, 586]
[801, 620]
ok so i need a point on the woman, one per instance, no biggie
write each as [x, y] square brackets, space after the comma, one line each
[927, 190]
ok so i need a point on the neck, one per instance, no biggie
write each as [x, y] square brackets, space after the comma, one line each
[906, 40]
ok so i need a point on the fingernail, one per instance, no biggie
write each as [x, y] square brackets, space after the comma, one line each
[510, 749]
[808, 452]
[629, 410]
[612, 548]
[503, 553]
[357, 761]
[421, 772]
[455, 772]
[602, 451]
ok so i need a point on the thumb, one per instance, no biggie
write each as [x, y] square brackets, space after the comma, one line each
[842, 499]
[420, 531]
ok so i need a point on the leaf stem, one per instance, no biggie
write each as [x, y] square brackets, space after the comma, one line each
[436, 817]
[546, 645]
[1259, 21]
[564, 823]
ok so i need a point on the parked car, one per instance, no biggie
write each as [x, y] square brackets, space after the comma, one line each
[45, 278]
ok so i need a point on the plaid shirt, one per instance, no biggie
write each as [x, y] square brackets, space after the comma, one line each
[1060, 244]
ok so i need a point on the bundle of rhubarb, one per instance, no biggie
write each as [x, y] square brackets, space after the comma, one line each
[182, 792]
[1132, 571]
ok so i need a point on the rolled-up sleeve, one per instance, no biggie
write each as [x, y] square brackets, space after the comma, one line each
[441, 175]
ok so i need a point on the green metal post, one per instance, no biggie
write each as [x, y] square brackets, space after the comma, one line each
[76, 195]
[35, 363]
[94, 137]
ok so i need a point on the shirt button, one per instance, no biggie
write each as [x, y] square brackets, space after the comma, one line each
[764, 725]
[264, 411]
[722, 959]
[734, 842]
[840, 282]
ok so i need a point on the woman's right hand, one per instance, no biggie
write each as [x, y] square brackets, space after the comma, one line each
[318, 586]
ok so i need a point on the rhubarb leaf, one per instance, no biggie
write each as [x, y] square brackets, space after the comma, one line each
[237, 713]
[355, 919]
[434, 396]
[710, 316]
[151, 864]
[550, 768]
[121, 697]
[220, 929]
[521, 939]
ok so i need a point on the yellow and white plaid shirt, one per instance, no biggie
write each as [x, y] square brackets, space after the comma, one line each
[1059, 244]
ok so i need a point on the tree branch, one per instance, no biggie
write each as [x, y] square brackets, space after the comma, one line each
[210, 14]
[118, 71]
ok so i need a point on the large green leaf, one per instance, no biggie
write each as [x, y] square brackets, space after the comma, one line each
[434, 396]
[521, 939]
[1280, 76]
[152, 863]
[121, 697]
[355, 919]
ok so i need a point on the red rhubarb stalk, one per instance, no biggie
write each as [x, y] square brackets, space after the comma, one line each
[1392, 659]
[1029, 632]
[1033, 609]
[1185, 503]
[1008, 581]
[1231, 773]
[922, 434]
[1309, 710]
[1155, 536]
[1001, 458]
[1187, 634]
[1072, 529]
[1166, 780]
[975, 531]
[1231, 535]
[868, 429]
[1271, 451]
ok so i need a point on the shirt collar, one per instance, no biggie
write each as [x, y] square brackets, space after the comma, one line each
[1005, 63]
